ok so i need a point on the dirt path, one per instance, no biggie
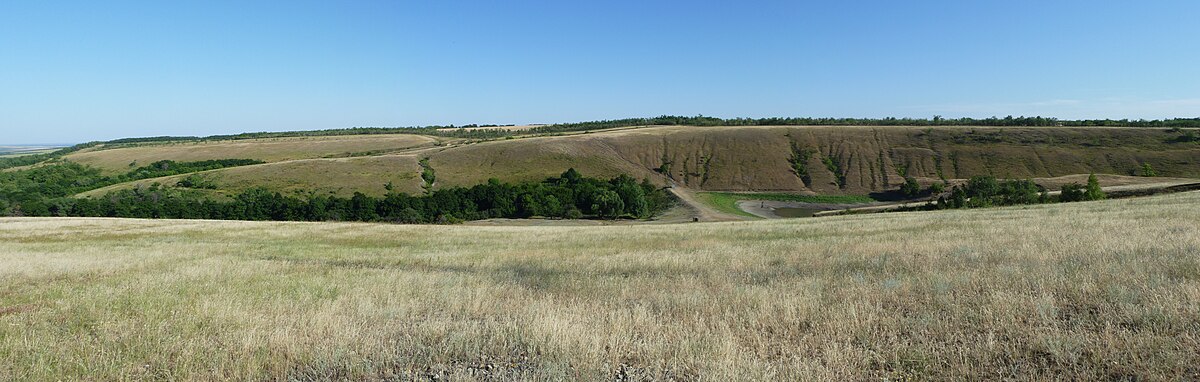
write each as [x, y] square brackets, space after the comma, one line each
[698, 208]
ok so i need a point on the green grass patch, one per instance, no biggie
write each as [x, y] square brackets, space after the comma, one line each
[724, 202]
[727, 201]
[785, 197]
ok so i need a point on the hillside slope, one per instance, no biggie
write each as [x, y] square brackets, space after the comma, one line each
[122, 158]
[833, 159]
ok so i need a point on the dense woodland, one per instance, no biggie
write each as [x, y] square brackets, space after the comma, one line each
[47, 190]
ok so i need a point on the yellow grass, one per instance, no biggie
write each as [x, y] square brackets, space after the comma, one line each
[339, 176]
[1098, 290]
[267, 149]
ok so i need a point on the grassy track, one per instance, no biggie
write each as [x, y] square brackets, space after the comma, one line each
[724, 202]
[1097, 290]
[727, 201]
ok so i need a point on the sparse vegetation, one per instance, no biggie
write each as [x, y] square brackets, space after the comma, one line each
[835, 168]
[799, 162]
[428, 175]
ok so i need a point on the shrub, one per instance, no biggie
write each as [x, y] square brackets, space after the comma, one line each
[910, 188]
[937, 188]
[1071, 193]
[1147, 170]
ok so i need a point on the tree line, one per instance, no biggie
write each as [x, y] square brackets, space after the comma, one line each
[570, 196]
[33, 191]
[987, 191]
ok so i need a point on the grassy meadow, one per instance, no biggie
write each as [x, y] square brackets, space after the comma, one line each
[1095, 290]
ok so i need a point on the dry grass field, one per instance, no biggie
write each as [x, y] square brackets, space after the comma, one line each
[337, 176]
[118, 160]
[1096, 290]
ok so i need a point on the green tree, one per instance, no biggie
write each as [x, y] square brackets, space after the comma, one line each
[958, 197]
[1093, 191]
[608, 204]
[1147, 170]
[983, 186]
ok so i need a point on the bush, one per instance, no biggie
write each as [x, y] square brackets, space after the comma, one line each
[1071, 193]
[910, 188]
[197, 182]
[1147, 170]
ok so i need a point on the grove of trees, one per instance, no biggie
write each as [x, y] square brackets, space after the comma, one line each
[987, 191]
[47, 191]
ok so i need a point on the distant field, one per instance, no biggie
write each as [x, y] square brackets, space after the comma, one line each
[1079, 291]
[119, 160]
[15, 151]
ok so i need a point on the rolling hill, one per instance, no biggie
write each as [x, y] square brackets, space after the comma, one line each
[807, 159]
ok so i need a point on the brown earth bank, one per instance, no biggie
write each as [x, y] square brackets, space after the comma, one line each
[840, 160]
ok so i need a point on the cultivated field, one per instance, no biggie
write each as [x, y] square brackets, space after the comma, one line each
[1096, 290]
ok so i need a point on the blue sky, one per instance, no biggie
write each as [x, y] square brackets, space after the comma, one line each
[86, 70]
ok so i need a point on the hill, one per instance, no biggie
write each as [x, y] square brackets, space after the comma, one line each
[1081, 291]
[120, 158]
[836, 160]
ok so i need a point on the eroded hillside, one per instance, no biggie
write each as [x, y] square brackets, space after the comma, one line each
[822, 159]
[825, 159]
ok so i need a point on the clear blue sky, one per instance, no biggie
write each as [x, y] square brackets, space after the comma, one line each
[78, 71]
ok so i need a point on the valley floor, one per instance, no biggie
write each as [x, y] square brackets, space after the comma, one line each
[1092, 290]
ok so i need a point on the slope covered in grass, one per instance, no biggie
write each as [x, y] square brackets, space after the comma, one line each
[1095, 290]
[121, 159]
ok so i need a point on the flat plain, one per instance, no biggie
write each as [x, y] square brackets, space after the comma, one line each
[1093, 290]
